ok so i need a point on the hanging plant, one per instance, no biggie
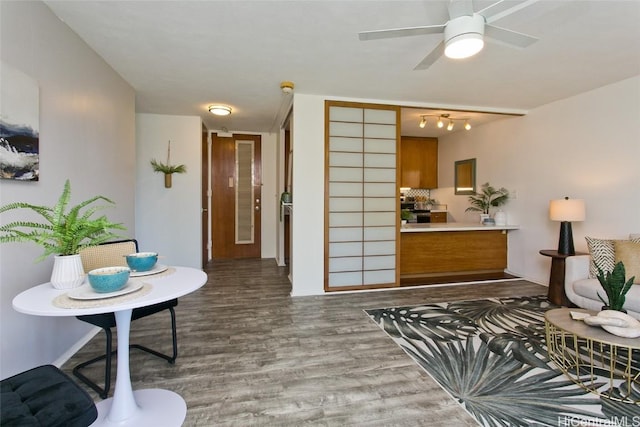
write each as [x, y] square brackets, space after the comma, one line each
[167, 168]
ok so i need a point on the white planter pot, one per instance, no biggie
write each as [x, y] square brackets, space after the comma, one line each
[483, 216]
[501, 218]
[67, 272]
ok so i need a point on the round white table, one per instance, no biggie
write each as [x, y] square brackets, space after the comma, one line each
[147, 407]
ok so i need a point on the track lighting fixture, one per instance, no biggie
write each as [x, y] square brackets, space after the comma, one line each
[440, 123]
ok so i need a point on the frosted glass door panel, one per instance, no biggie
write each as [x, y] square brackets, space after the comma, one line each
[348, 114]
[379, 189]
[380, 204]
[345, 144]
[345, 279]
[380, 233]
[378, 277]
[345, 264]
[379, 218]
[345, 249]
[346, 159]
[346, 129]
[345, 219]
[343, 189]
[376, 160]
[380, 175]
[338, 204]
[346, 174]
[379, 131]
[380, 146]
[380, 116]
[380, 248]
[346, 234]
[379, 262]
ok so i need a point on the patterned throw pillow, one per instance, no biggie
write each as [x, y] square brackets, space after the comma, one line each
[629, 253]
[603, 254]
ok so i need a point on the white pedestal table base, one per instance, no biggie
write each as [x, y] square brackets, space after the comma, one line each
[156, 407]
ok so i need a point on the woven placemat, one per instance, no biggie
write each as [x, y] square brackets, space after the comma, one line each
[63, 301]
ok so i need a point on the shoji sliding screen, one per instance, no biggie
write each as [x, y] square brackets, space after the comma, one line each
[361, 196]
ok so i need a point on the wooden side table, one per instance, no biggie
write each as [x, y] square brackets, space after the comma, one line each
[556, 292]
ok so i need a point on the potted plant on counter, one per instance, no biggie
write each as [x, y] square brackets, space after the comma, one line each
[62, 233]
[488, 196]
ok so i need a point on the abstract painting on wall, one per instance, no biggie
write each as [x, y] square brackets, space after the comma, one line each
[19, 125]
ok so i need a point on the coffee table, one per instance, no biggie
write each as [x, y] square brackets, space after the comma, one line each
[597, 361]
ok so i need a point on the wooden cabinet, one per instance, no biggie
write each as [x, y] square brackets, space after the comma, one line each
[438, 217]
[419, 162]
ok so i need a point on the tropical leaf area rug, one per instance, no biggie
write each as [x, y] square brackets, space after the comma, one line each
[490, 355]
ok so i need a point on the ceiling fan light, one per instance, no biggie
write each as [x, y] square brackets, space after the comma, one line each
[220, 110]
[464, 46]
[423, 122]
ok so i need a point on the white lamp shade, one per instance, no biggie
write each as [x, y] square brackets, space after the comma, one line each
[567, 210]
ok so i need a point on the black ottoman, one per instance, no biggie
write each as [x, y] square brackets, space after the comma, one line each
[45, 396]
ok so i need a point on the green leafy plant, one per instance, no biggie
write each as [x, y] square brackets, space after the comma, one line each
[405, 214]
[62, 232]
[489, 196]
[167, 168]
[615, 286]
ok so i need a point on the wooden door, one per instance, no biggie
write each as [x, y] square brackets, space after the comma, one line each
[236, 199]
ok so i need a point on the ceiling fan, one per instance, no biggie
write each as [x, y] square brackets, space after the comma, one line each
[464, 31]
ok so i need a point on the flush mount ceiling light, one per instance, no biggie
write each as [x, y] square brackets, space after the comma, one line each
[220, 110]
[464, 36]
[442, 118]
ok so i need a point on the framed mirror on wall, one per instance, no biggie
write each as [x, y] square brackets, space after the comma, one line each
[465, 177]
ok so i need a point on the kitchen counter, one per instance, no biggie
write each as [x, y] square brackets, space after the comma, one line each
[452, 249]
[453, 226]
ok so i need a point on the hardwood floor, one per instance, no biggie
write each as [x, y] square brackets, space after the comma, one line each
[249, 354]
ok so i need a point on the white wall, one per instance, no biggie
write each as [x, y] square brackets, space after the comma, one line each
[87, 132]
[168, 220]
[585, 147]
[307, 219]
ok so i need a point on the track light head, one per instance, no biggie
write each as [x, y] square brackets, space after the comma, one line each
[423, 122]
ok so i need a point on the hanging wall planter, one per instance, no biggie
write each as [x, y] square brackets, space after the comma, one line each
[167, 168]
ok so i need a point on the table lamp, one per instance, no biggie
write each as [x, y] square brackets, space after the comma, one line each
[566, 210]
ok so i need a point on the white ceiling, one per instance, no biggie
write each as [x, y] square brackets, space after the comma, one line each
[182, 56]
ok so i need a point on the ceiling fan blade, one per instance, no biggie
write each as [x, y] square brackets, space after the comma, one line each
[432, 57]
[503, 8]
[400, 32]
[460, 8]
[509, 37]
